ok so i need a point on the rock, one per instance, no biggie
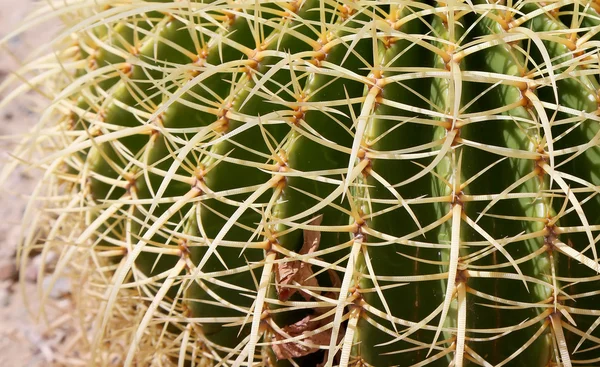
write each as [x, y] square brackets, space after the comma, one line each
[11, 230]
[4, 297]
[33, 266]
[31, 271]
[61, 288]
[8, 270]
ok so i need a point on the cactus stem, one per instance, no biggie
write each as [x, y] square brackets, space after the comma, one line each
[363, 118]
[128, 262]
[560, 339]
[576, 204]
[158, 298]
[453, 268]
[81, 240]
[348, 276]
[376, 285]
[259, 303]
[461, 324]
[355, 314]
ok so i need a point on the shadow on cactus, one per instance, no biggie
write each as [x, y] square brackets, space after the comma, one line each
[303, 183]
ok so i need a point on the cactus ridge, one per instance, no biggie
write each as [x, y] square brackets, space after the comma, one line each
[322, 182]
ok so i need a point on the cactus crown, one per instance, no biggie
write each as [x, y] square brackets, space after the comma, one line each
[366, 183]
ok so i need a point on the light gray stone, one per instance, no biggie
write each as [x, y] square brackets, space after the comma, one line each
[61, 288]
[4, 297]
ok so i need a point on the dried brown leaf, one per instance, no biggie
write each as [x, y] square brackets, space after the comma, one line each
[295, 349]
[297, 271]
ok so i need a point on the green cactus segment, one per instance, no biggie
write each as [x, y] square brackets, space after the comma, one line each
[107, 158]
[316, 146]
[587, 18]
[448, 96]
[178, 117]
[296, 183]
[147, 149]
[531, 346]
[576, 240]
[214, 213]
[238, 156]
[100, 58]
[384, 204]
[107, 65]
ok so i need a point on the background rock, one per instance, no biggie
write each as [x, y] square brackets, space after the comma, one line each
[22, 342]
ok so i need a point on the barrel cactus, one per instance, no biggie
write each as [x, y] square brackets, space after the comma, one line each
[303, 182]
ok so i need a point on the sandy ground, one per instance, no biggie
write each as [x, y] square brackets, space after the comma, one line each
[22, 343]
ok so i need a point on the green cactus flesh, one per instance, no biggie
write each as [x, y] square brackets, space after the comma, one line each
[364, 183]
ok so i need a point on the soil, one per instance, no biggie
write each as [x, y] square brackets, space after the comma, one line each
[23, 342]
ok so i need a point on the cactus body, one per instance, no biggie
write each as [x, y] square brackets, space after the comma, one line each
[363, 183]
